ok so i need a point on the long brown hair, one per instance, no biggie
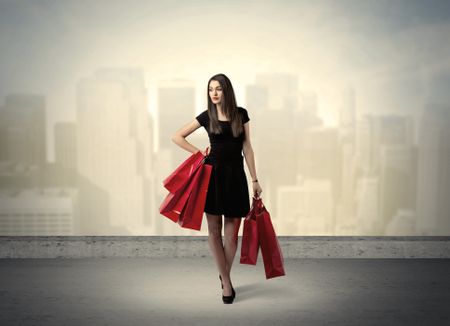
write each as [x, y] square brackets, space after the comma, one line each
[228, 106]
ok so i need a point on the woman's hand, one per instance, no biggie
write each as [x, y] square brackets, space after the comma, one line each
[257, 190]
[206, 151]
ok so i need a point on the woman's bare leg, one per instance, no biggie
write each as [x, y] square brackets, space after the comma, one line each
[216, 246]
[231, 231]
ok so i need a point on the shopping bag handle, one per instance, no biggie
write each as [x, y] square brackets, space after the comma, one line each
[202, 161]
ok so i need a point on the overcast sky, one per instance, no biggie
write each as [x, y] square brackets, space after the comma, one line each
[394, 53]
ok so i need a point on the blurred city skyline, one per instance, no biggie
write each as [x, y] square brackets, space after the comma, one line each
[351, 98]
[365, 176]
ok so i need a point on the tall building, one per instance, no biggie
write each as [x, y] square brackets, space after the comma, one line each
[305, 208]
[374, 131]
[23, 129]
[367, 206]
[385, 149]
[433, 184]
[397, 180]
[257, 101]
[257, 97]
[176, 107]
[66, 145]
[279, 120]
[275, 150]
[345, 208]
[114, 152]
[318, 156]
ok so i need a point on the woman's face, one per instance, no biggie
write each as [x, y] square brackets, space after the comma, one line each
[215, 91]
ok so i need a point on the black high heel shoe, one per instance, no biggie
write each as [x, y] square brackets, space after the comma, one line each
[227, 299]
[232, 289]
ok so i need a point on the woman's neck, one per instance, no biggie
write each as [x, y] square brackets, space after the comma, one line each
[219, 110]
[220, 115]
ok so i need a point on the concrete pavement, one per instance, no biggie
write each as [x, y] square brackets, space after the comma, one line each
[186, 291]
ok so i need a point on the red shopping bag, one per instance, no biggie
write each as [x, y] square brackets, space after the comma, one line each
[187, 203]
[174, 203]
[184, 171]
[166, 207]
[192, 215]
[250, 242]
[270, 247]
[259, 232]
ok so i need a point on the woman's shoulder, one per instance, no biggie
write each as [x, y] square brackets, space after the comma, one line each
[203, 117]
[204, 113]
[244, 113]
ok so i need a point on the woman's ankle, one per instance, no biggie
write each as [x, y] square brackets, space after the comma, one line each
[225, 278]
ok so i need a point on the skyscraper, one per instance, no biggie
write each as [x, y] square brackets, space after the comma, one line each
[23, 129]
[433, 184]
[114, 148]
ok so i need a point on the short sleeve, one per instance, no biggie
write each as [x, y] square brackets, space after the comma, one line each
[202, 118]
[245, 117]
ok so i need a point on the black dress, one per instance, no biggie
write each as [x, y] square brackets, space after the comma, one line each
[228, 188]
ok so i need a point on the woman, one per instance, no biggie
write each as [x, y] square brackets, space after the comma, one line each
[229, 134]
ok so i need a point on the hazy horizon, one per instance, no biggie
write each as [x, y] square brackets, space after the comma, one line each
[388, 51]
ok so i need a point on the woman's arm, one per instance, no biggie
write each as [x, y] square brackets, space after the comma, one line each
[179, 137]
[248, 151]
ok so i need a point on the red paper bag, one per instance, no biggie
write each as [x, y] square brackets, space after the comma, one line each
[270, 247]
[192, 215]
[174, 203]
[183, 172]
[250, 242]
[166, 207]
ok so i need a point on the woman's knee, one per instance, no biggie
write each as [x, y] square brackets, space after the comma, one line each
[231, 230]
[231, 239]
[214, 225]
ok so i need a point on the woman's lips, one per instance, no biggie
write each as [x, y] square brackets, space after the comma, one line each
[215, 98]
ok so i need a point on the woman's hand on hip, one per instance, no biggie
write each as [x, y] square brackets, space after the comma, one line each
[206, 151]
